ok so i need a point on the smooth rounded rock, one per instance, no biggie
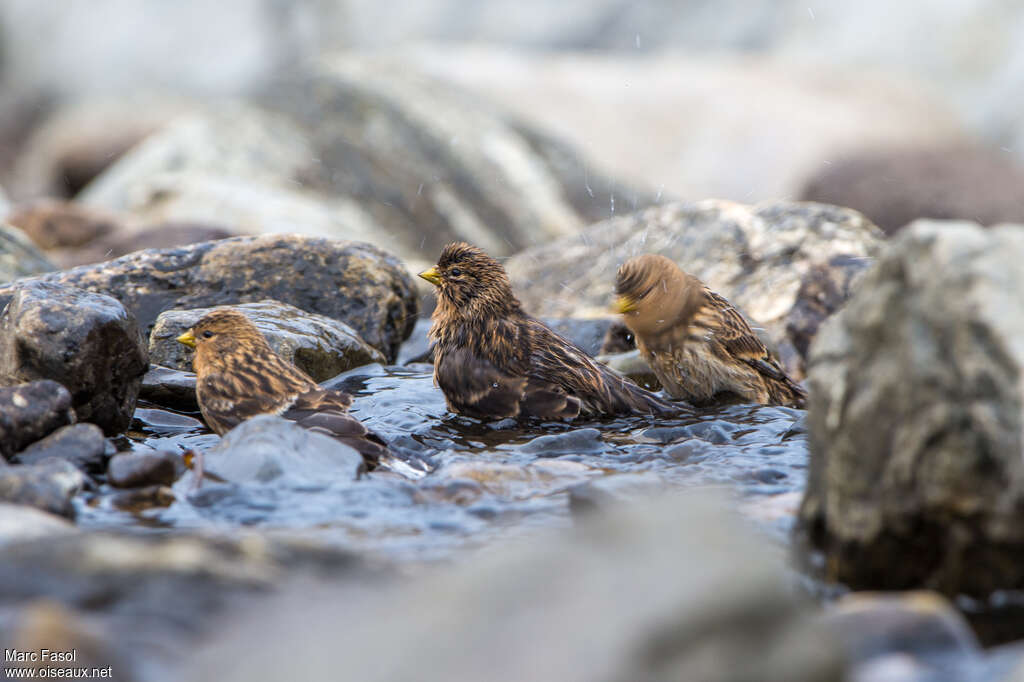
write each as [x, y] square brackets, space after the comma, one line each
[30, 412]
[86, 341]
[915, 421]
[19, 257]
[48, 485]
[20, 522]
[577, 441]
[81, 444]
[318, 345]
[169, 388]
[354, 282]
[137, 469]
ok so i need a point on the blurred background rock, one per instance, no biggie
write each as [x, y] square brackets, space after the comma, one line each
[592, 107]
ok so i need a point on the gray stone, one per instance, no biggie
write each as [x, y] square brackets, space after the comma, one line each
[320, 346]
[48, 485]
[368, 289]
[577, 441]
[915, 420]
[20, 522]
[18, 256]
[30, 412]
[676, 590]
[268, 449]
[755, 256]
[138, 469]
[169, 388]
[588, 333]
[86, 341]
[81, 444]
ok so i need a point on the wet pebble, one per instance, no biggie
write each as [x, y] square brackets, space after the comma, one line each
[49, 485]
[20, 522]
[169, 388]
[716, 432]
[139, 499]
[578, 441]
[134, 470]
[31, 411]
[80, 444]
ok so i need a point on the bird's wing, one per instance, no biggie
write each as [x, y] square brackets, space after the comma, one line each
[736, 337]
[225, 405]
[569, 368]
[474, 386]
[326, 411]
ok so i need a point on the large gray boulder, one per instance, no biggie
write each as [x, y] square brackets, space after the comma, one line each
[916, 423]
[320, 346]
[356, 148]
[756, 256]
[85, 341]
[675, 590]
[356, 283]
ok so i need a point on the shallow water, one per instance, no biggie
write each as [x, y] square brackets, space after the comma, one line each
[488, 479]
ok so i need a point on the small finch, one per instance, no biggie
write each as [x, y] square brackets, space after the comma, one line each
[494, 361]
[699, 346]
[239, 376]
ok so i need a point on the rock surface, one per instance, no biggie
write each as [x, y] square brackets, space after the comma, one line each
[894, 187]
[755, 256]
[916, 427]
[20, 522]
[18, 256]
[49, 485]
[80, 444]
[134, 470]
[52, 224]
[355, 148]
[356, 283]
[661, 600]
[169, 388]
[319, 345]
[31, 411]
[86, 341]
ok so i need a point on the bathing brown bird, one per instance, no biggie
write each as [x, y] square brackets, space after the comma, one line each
[239, 376]
[494, 361]
[699, 346]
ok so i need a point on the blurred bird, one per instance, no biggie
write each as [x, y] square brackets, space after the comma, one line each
[698, 345]
[239, 376]
[494, 361]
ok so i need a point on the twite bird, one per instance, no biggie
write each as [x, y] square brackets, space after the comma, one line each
[239, 376]
[493, 361]
[699, 346]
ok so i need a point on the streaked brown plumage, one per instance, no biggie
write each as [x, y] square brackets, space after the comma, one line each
[698, 345]
[239, 376]
[494, 361]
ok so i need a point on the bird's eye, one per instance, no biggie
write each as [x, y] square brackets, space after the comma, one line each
[207, 334]
[455, 272]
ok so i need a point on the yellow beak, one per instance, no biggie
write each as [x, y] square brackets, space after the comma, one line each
[188, 338]
[624, 304]
[432, 276]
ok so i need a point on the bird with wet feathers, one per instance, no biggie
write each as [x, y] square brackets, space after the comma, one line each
[493, 361]
[239, 376]
[700, 347]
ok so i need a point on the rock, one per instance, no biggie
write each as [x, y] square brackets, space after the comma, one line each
[577, 441]
[169, 388]
[86, 341]
[269, 449]
[876, 628]
[52, 224]
[353, 147]
[608, 493]
[19, 522]
[755, 256]
[588, 334]
[320, 346]
[712, 145]
[134, 470]
[140, 499]
[669, 591]
[30, 412]
[161, 236]
[18, 256]
[915, 422]
[823, 290]
[48, 485]
[369, 290]
[81, 444]
[895, 186]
